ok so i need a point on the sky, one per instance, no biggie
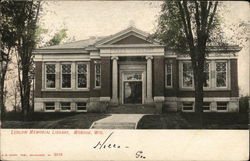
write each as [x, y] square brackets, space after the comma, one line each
[83, 19]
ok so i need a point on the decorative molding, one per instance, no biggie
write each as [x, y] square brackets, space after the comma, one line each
[159, 99]
[104, 99]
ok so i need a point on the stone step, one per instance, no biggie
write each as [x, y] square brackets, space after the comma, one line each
[108, 125]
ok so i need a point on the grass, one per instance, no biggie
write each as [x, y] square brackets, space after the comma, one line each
[176, 120]
[188, 121]
[52, 121]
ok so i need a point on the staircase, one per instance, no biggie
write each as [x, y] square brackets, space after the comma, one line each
[113, 125]
[132, 109]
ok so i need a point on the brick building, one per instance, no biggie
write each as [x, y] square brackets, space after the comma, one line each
[127, 68]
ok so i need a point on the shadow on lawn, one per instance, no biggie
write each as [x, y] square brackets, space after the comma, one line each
[52, 120]
[187, 121]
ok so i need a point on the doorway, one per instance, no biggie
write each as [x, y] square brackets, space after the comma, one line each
[132, 92]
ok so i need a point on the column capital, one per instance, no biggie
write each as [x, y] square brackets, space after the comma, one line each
[114, 58]
[149, 57]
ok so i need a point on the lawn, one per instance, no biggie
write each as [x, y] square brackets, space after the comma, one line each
[175, 120]
[188, 121]
[52, 120]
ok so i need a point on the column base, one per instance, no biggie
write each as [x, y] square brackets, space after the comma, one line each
[149, 101]
[114, 102]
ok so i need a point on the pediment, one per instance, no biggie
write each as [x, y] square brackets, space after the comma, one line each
[131, 39]
[128, 36]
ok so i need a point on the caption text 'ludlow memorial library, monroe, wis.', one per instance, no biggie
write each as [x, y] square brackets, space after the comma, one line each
[127, 68]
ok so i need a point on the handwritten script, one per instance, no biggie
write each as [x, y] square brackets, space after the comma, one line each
[107, 144]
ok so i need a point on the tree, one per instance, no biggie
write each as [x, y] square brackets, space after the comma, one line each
[57, 38]
[188, 27]
[8, 42]
[24, 15]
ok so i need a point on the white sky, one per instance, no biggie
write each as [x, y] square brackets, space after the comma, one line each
[100, 18]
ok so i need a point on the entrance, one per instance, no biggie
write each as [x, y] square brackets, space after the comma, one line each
[132, 84]
[133, 92]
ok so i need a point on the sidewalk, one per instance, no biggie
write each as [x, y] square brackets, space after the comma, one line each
[118, 121]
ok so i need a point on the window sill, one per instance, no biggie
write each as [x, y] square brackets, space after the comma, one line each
[63, 90]
[206, 89]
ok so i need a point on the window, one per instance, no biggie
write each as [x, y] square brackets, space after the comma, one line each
[82, 75]
[97, 75]
[50, 75]
[221, 74]
[206, 73]
[206, 106]
[50, 106]
[168, 78]
[81, 106]
[187, 106]
[65, 106]
[187, 78]
[222, 106]
[66, 75]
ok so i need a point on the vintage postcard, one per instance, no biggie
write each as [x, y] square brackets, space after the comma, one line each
[125, 80]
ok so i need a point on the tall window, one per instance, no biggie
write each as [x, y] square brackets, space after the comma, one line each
[82, 75]
[187, 78]
[206, 72]
[66, 75]
[97, 75]
[221, 74]
[168, 70]
[50, 75]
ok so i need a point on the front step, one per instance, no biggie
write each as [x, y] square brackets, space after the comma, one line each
[132, 109]
[113, 125]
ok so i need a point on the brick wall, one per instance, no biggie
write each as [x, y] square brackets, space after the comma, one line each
[38, 79]
[158, 75]
[106, 77]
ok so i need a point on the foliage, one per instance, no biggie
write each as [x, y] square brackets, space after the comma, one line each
[8, 42]
[20, 22]
[188, 27]
[57, 38]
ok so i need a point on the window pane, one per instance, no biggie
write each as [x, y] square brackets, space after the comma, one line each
[97, 75]
[82, 75]
[81, 105]
[66, 75]
[169, 74]
[81, 68]
[133, 76]
[82, 81]
[51, 81]
[50, 75]
[187, 74]
[221, 77]
[98, 81]
[66, 68]
[50, 68]
[66, 81]
[221, 105]
[188, 106]
[65, 106]
[49, 106]
[206, 105]
[206, 72]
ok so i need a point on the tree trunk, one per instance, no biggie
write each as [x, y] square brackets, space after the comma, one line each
[26, 91]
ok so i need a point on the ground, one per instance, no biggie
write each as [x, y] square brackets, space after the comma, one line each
[148, 121]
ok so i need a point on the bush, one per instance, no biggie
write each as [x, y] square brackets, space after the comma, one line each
[244, 104]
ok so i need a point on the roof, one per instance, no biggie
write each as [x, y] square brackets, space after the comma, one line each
[81, 44]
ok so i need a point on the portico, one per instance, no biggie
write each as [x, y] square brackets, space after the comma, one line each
[131, 57]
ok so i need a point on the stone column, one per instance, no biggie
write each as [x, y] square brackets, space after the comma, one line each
[114, 99]
[149, 79]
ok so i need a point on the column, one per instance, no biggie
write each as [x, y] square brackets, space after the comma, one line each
[114, 99]
[149, 79]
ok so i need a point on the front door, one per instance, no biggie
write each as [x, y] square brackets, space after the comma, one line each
[133, 92]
